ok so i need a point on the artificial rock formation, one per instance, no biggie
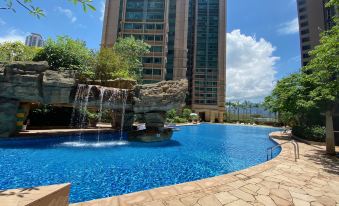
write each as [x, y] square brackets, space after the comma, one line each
[34, 82]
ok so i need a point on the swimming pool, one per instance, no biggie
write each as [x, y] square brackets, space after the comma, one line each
[99, 170]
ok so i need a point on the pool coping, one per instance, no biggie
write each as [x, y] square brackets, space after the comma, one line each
[144, 196]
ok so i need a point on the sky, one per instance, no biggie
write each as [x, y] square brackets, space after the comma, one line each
[262, 38]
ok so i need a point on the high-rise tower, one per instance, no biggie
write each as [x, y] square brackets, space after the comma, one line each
[314, 18]
[188, 39]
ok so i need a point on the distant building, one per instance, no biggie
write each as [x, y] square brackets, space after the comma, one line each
[35, 40]
[314, 18]
[188, 42]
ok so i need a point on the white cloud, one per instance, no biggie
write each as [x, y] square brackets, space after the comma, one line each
[13, 35]
[102, 10]
[2, 22]
[250, 69]
[290, 27]
[68, 13]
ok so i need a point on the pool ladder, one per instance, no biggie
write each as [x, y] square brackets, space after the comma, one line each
[295, 145]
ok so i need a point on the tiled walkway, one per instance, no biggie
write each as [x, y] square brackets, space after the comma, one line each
[312, 180]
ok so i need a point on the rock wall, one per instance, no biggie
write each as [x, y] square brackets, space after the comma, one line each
[8, 109]
[33, 82]
[161, 96]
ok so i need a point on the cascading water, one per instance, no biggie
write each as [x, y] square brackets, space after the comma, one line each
[78, 101]
[101, 98]
[79, 114]
[124, 100]
[84, 108]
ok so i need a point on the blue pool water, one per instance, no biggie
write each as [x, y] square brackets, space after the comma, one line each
[97, 171]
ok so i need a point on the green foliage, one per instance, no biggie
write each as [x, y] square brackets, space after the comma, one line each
[37, 11]
[320, 78]
[284, 99]
[17, 51]
[171, 114]
[300, 98]
[186, 113]
[110, 65]
[178, 119]
[92, 116]
[66, 53]
[123, 61]
[312, 132]
[131, 51]
[173, 117]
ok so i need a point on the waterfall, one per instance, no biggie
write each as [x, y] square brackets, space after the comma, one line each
[111, 97]
[78, 101]
[83, 109]
[101, 97]
[124, 100]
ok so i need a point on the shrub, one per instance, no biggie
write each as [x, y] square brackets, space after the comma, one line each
[65, 52]
[171, 114]
[17, 51]
[186, 114]
[178, 119]
[313, 133]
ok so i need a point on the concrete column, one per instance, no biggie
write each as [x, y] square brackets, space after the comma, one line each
[207, 116]
[111, 23]
[213, 116]
[180, 41]
[221, 117]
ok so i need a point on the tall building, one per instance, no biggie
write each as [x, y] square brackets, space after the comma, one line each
[35, 40]
[314, 18]
[188, 40]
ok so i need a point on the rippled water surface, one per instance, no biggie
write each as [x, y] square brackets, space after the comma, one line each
[108, 168]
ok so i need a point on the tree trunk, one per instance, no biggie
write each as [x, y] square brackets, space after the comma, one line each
[330, 145]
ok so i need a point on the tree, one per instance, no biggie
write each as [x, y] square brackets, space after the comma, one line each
[66, 53]
[17, 51]
[321, 80]
[132, 50]
[111, 65]
[28, 5]
[301, 96]
[284, 99]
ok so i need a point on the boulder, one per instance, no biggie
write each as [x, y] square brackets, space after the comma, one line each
[150, 135]
[57, 87]
[161, 96]
[155, 120]
[22, 80]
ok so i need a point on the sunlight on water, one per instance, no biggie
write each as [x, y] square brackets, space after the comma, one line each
[93, 144]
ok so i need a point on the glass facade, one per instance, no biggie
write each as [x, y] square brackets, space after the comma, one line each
[171, 37]
[145, 20]
[205, 84]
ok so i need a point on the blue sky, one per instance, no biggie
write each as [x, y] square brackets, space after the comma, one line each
[266, 19]
[266, 23]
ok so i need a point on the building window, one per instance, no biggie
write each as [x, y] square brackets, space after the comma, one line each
[305, 39]
[305, 56]
[304, 24]
[302, 17]
[306, 47]
[303, 9]
[305, 31]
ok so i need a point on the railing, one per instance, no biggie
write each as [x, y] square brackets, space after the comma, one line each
[295, 145]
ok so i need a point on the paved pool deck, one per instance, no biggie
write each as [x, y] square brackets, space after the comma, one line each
[312, 180]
